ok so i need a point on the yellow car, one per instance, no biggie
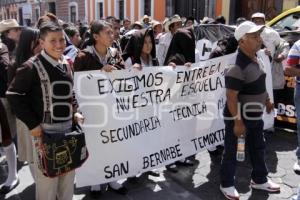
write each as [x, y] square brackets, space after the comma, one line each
[286, 20]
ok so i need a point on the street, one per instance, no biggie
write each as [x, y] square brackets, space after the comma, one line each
[198, 182]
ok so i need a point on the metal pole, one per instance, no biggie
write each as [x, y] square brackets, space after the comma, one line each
[40, 6]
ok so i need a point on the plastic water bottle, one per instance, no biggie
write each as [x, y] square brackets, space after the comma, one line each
[240, 150]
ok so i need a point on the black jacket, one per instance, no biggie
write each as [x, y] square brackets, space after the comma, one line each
[88, 60]
[4, 62]
[182, 47]
[26, 97]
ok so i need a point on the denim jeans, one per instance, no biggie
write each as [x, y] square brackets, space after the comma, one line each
[255, 143]
[297, 105]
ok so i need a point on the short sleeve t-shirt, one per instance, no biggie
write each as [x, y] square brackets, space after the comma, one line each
[248, 78]
[293, 58]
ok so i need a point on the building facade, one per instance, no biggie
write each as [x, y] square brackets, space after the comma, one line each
[131, 9]
[66, 10]
[157, 9]
[28, 11]
[16, 9]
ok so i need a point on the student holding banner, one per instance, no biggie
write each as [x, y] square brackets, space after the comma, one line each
[140, 50]
[99, 55]
[246, 98]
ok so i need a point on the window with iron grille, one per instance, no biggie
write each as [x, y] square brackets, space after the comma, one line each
[73, 14]
[121, 9]
[52, 7]
[37, 14]
[100, 10]
[170, 7]
[147, 7]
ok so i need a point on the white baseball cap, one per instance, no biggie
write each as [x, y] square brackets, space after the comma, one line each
[258, 15]
[246, 27]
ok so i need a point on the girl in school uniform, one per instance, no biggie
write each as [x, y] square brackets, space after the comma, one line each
[99, 55]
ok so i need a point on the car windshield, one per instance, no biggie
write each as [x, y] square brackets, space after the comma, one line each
[287, 23]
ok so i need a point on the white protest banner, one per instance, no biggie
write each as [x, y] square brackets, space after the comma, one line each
[136, 121]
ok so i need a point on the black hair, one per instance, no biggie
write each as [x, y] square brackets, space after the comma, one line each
[132, 45]
[24, 48]
[47, 27]
[190, 18]
[11, 44]
[95, 27]
[220, 20]
[232, 44]
[82, 30]
[66, 25]
[71, 31]
[240, 20]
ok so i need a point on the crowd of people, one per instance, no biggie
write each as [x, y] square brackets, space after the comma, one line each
[32, 58]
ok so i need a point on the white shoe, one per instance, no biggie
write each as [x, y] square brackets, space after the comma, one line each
[297, 167]
[115, 185]
[294, 197]
[269, 186]
[230, 192]
[95, 188]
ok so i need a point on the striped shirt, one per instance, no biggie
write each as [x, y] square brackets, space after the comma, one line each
[248, 78]
[294, 57]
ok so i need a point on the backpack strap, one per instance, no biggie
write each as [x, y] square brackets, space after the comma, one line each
[46, 90]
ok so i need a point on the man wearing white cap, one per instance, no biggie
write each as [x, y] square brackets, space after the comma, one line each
[258, 18]
[270, 37]
[171, 26]
[246, 99]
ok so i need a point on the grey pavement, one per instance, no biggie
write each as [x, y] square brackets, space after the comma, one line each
[200, 182]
